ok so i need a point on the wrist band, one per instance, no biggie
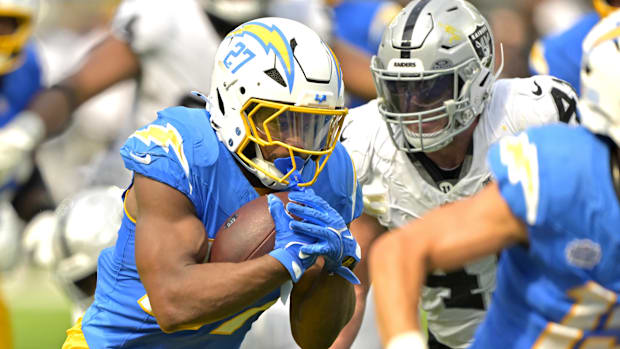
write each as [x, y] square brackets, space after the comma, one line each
[407, 340]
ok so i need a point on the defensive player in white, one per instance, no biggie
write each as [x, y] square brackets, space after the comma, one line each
[422, 142]
[166, 46]
[552, 209]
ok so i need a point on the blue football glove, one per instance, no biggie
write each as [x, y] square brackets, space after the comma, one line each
[320, 220]
[287, 249]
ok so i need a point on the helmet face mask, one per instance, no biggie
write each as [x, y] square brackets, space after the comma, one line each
[603, 7]
[21, 15]
[433, 78]
[277, 92]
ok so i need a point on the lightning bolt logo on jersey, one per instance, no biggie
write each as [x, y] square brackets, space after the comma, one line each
[181, 150]
[561, 291]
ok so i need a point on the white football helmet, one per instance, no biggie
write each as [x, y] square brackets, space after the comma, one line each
[599, 105]
[70, 239]
[22, 15]
[434, 72]
[276, 85]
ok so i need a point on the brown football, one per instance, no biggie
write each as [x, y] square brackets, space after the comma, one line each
[248, 233]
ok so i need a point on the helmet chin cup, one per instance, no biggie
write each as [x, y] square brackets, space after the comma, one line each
[269, 167]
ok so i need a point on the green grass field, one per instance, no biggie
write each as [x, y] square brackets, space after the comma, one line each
[39, 312]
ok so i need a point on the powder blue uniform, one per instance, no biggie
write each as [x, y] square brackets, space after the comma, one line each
[16, 89]
[560, 55]
[562, 290]
[18, 86]
[193, 161]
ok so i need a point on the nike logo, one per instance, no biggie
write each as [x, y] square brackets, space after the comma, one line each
[145, 159]
[538, 91]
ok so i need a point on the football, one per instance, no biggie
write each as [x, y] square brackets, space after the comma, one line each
[248, 233]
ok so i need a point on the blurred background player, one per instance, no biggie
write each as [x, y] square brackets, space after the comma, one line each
[358, 26]
[68, 241]
[21, 189]
[158, 43]
[558, 284]
[422, 143]
[271, 75]
[559, 54]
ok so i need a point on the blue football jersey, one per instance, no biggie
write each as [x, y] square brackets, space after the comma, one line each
[19, 86]
[181, 150]
[561, 290]
[560, 55]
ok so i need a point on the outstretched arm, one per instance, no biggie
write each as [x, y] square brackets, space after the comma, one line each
[446, 238]
[106, 64]
[365, 229]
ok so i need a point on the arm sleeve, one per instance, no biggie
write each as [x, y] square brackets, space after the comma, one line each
[145, 25]
[164, 151]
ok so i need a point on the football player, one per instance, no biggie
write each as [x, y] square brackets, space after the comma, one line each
[422, 143]
[69, 240]
[560, 54]
[168, 47]
[274, 114]
[20, 79]
[553, 207]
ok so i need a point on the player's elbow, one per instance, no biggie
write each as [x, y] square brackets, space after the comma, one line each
[169, 313]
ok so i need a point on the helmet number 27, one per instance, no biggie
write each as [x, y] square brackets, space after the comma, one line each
[238, 56]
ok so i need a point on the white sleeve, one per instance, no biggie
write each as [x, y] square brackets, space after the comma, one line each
[358, 135]
[535, 101]
[145, 25]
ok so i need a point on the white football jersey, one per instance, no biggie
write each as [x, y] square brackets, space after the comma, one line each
[397, 189]
[176, 45]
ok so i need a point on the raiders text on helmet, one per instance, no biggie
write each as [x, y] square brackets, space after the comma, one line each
[434, 72]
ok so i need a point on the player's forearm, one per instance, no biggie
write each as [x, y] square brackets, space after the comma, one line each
[320, 303]
[204, 293]
[349, 332]
[54, 106]
[397, 269]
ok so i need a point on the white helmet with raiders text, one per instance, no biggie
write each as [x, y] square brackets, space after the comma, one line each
[599, 106]
[434, 72]
[276, 85]
[22, 16]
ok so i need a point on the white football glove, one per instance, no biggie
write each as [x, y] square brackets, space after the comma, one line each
[18, 139]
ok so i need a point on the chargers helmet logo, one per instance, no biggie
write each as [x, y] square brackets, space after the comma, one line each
[271, 38]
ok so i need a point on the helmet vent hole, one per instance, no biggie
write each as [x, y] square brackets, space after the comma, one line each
[588, 69]
[242, 90]
[220, 102]
[275, 76]
[452, 9]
